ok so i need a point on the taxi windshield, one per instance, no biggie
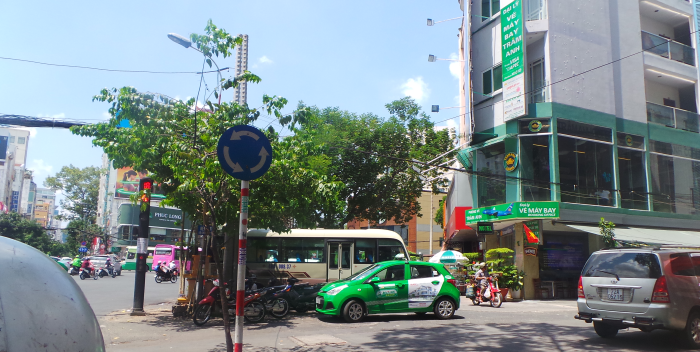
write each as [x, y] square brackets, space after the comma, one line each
[362, 274]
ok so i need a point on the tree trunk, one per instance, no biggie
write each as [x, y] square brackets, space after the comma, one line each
[222, 294]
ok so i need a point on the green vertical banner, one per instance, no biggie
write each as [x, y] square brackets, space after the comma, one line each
[513, 56]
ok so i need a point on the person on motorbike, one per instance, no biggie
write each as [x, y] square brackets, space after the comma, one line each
[77, 262]
[108, 265]
[87, 266]
[157, 269]
[172, 266]
[481, 281]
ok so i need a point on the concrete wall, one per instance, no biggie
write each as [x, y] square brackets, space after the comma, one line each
[656, 27]
[656, 92]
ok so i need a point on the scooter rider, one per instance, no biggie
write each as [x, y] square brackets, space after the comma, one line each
[172, 265]
[87, 265]
[480, 278]
[108, 265]
[77, 262]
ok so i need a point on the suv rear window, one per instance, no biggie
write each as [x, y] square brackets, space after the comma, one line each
[628, 265]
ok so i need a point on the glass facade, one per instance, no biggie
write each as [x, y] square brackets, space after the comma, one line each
[535, 170]
[491, 182]
[675, 183]
[586, 172]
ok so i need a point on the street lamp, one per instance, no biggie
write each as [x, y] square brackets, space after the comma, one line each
[181, 40]
[432, 23]
[433, 58]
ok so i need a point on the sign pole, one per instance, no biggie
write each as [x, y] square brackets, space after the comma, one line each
[146, 185]
[240, 278]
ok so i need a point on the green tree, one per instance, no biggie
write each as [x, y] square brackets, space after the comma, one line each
[369, 154]
[178, 145]
[80, 188]
[440, 213]
[79, 230]
[607, 230]
[14, 226]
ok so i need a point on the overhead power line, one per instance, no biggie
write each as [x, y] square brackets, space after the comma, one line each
[106, 69]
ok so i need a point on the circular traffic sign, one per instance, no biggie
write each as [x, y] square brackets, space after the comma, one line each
[244, 152]
[83, 243]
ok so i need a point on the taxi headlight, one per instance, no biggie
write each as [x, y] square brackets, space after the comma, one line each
[336, 290]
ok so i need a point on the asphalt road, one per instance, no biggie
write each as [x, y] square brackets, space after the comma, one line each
[516, 326]
[109, 294]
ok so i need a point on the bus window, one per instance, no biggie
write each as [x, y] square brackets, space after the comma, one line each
[164, 251]
[388, 249]
[263, 250]
[292, 250]
[314, 249]
[131, 255]
[364, 251]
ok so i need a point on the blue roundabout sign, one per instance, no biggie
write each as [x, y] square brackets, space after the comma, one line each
[244, 152]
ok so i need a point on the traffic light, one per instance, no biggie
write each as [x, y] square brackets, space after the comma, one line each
[146, 186]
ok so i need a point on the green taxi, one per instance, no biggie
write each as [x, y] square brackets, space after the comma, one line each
[391, 287]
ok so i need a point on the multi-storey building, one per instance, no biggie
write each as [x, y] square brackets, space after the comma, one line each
[610, 129]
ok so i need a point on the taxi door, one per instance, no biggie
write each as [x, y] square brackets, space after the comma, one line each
[391, 291]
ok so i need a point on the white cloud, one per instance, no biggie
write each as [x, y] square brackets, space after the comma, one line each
[416, 89]
[40, 167]
[265, 60]
[455, 66]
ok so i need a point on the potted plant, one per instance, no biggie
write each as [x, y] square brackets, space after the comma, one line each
[500, 260]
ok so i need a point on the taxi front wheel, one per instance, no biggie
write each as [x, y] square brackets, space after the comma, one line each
[353, 311]
[444, 308]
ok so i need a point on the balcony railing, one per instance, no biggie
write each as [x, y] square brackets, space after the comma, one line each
[540, 95]
[668, 48]
[535, 10]
[672, 117]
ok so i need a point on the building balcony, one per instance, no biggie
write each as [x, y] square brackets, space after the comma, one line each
[535, 10]
[673, 117]
[668, 48]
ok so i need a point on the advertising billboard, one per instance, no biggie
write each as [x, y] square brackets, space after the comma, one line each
[128, 183]
[513, 54]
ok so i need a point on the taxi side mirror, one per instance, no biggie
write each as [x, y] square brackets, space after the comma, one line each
[374, 280]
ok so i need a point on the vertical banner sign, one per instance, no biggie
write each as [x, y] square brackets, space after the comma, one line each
[513, 56]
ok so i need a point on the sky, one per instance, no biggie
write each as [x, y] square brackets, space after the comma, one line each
[356, 55]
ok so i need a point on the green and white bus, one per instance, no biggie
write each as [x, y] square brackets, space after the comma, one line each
[321, 255]
[130, 261]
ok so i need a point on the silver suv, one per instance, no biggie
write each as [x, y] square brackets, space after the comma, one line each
[100, 260]
[644, 288]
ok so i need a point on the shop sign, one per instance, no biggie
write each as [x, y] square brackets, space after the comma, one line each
[629, 140]
[531, 232]
[513, 54]
[511, 211]
[535, 126]
[531, 251]
[510, 162]
[484, 228]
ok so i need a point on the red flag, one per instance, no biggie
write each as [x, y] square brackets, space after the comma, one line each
[531, 237]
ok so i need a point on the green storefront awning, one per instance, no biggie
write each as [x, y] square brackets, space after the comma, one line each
[465, 155]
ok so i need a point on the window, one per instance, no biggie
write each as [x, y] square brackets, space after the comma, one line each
[675, 184]
[286, 250]
[534, 164]
[389, 249]
[392, 273]
[164, 251]
[125, 232]
[263, 250]
[489, 8]
[585, 168]
[20, 140]
[682, 265]
[422, 271]
[633, 180]
[131, 255]
[489, 163]
[364, 251]
[538, 85]
[12, 139]
[492, 80]
[625, 265]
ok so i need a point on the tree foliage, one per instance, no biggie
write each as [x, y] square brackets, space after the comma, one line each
[607, 230]
[372, 156]
[14, 226]
[81, 190]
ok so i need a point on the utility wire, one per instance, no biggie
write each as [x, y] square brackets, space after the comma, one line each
[105, 69]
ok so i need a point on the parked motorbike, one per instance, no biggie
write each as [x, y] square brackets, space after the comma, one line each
[85, 274]
[170, 275]
[302, 297]
[492, 294]
[253, 311]
[102, 272]
[275, 300]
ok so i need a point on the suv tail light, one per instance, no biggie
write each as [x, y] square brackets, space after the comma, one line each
[453, 282]
[580, 287]
[660, 293]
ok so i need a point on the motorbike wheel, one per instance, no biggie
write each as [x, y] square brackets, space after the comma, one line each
[202, 314]
[254, 312]
[496, 300]
[114, 274]
[475, 301]
[280, 308]
[159, 279]
[173, 279]
[95, 277]
[82, 276]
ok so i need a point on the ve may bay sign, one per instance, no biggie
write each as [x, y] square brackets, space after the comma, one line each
[513, 56]
[512, 211]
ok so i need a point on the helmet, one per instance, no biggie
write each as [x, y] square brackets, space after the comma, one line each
[160, 262]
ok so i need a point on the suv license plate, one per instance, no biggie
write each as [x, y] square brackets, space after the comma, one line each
[615, 294]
